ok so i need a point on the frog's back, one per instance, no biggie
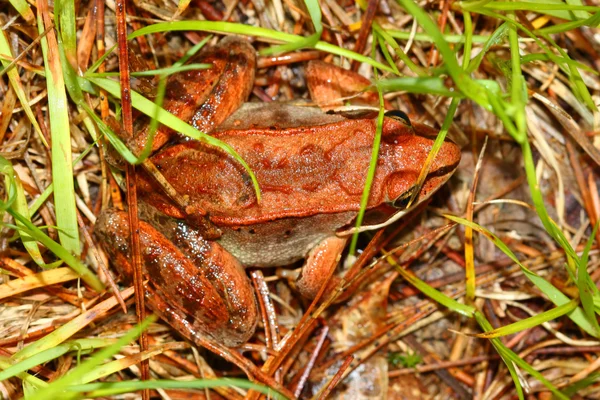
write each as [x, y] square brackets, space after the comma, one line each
[306, 163]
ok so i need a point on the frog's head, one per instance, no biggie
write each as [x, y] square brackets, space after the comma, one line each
[404, 152]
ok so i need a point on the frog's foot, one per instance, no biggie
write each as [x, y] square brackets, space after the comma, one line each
[320, 265]
[195, 277]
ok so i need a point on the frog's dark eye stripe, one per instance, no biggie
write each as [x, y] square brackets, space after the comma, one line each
[399, 115]
[401, 202]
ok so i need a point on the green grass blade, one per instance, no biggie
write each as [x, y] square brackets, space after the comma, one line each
[67, 28]
[24, 224]
[592, 22]
[587, 289]
[59, 386]
[511, 358]
[20, 206]
[462, 80]
[555, 295]
[86, 274]
[432, 293]
[23, 8]
[62, 164]
[389, 39]
[314, 10]
[50, 354]
[424, 37]
[538, 7]
[364, 200]
[105, 389]
[419, 85]
[166, 118]
[229, 27]
[531, 322]
[10, 185]
[15, 82]
[384, 50]
[30, 380]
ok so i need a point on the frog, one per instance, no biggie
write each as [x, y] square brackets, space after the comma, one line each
[311, 166]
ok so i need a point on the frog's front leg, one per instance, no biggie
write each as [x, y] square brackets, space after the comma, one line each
[319, 265]
[194, 276]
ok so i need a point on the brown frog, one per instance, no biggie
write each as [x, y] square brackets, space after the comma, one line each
[311, 167]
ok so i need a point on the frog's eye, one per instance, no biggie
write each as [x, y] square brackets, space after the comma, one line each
[399, 116]
[401, 202]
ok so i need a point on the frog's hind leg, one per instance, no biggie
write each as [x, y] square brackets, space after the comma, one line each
[200, 281]
[320, 266]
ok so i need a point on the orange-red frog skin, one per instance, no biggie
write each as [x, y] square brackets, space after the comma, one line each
[311, 167]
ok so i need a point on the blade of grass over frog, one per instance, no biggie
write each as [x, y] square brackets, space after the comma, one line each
[530, 322]
[15, 82]
[389, 39]
[87, 275]
[41, 279]
[430, 292]
[62, 166]
[160, 93]
[65, 331]
[555, 295]
[62, 384]
[192, 51]
[105, 389]
[26, 378]
[153, 127]
[23, 8]
[314, 10]
[230, 27]
[437, 145]
[100, 60]
[53, 353]
[160, 71]
[158, 101]
[587, 289]
[114, 140]
[166, 118]
[364, 200]
[461, 79]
